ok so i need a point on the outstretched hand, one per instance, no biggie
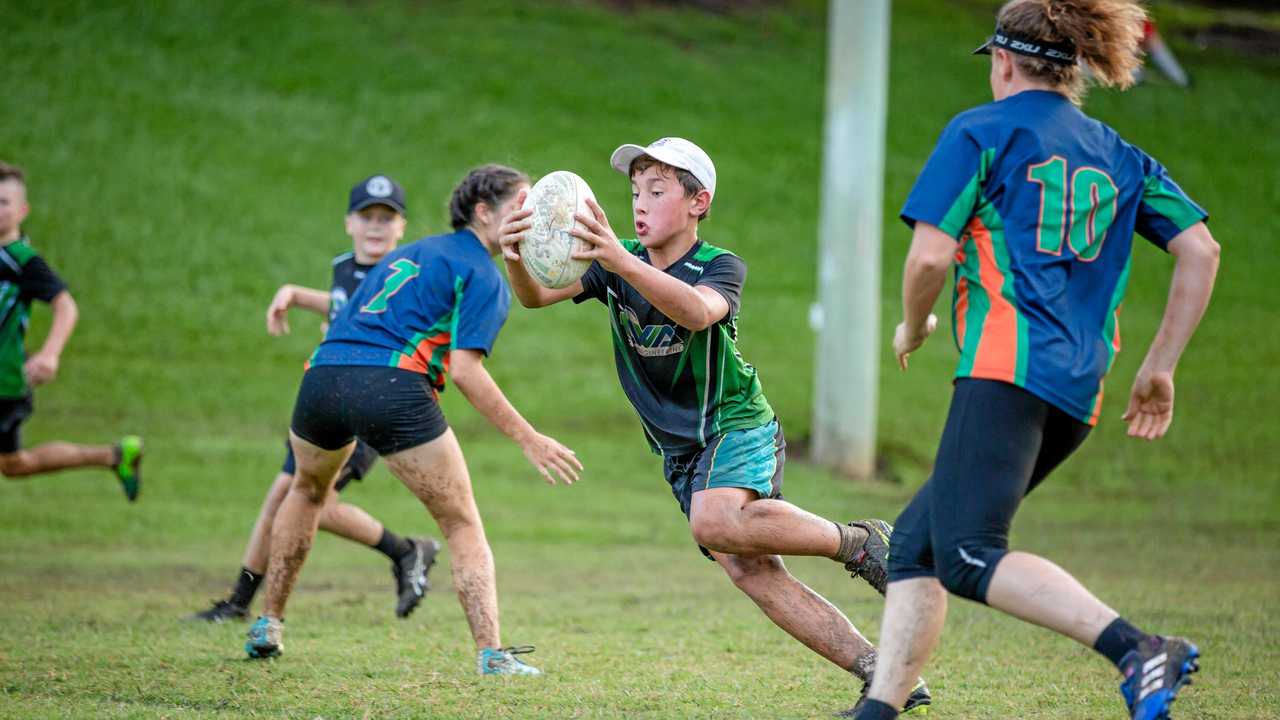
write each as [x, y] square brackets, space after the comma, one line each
[907, 341]
[1150, 410]
[546, 453]
[511, 234]
[594, 230]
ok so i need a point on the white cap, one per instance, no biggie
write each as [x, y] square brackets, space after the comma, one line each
[674, 151]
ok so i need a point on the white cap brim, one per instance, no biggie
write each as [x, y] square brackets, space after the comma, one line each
[671, 155]
[626, 154]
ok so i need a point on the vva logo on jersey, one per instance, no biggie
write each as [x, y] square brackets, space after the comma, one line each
[649, 340]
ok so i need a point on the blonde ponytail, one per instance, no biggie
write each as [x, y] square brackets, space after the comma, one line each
[1105, 33]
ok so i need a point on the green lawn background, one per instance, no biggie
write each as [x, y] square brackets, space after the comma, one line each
[186, 158]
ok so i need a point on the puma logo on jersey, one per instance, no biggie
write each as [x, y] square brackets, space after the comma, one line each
[649, 340]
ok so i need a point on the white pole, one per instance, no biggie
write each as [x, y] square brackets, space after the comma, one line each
[847, 316]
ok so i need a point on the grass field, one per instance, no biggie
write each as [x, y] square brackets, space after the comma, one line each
[188, 157]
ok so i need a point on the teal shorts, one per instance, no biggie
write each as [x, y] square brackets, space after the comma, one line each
[750, 459]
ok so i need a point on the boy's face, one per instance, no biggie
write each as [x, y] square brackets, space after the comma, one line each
[375, 231]
[659, 207]
[13, 206]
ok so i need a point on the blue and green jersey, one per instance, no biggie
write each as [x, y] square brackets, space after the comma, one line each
[418, 304]
[688, 387]
[1044, 202]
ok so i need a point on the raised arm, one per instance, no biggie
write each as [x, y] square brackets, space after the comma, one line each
[42, 367]
[543, 452]
[291, 296]
[923, 278]
[1150, 410]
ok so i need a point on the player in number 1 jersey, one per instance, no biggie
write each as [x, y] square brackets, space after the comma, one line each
[1035, 205]
[427, 311]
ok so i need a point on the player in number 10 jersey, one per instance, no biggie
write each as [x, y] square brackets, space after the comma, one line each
[1035, 205]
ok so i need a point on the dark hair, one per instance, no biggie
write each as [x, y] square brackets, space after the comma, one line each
[686, 179]
[1106, 34]
[11, 172]
[488, 184]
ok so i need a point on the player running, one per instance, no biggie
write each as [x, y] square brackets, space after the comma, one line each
[673, 304]
[1036, 205]
[25, 276]
[429, 309]
[375, 221]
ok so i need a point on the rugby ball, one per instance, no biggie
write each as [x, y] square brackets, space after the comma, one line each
[547, 248]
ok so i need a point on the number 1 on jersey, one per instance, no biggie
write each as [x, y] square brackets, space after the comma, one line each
[1093, 208]
[402, 271]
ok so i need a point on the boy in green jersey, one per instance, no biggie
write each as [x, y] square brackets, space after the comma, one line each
[24, 277]
[673, 307]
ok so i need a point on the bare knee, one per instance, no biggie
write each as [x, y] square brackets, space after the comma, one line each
[713, 531]
[454, 520]
[312, 488]
[279, 490]
[750, 574]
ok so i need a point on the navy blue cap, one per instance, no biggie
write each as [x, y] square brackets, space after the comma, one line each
[376, 190]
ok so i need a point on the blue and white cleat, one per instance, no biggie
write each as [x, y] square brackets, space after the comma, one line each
[266, 638]
[503, 661]
[1154, 673]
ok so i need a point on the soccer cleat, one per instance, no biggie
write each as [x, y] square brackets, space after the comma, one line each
[1153, 674]
[222, 611]
[871, 562]
[503, 661]
[129, 466]
[266, 638]
[410, 573]
[918, 701]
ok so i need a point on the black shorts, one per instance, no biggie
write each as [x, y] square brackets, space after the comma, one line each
[752, 459]
[388, 408]
[13, 412]
[358, 465]
[999, 443]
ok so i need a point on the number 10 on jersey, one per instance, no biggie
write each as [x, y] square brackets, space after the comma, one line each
[1081, 217]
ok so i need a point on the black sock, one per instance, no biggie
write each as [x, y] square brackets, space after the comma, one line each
[876, 710]
[1118, 639]
[392, 545]
[246, 587]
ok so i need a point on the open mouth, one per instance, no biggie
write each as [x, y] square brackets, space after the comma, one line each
[642, 227]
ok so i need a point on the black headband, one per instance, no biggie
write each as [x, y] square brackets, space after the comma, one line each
[1063, 53]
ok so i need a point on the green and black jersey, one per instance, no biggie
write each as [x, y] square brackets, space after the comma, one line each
[688, 387]
[24, 276]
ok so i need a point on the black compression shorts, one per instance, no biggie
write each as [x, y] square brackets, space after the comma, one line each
[999, 442]
[388, 408]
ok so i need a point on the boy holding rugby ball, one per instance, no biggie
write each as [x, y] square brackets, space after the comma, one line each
[673, 303]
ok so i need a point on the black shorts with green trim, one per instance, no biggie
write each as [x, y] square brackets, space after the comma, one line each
[752, 459]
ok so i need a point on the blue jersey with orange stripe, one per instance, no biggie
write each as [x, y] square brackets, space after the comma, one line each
[420, 302]
[1044, 202]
